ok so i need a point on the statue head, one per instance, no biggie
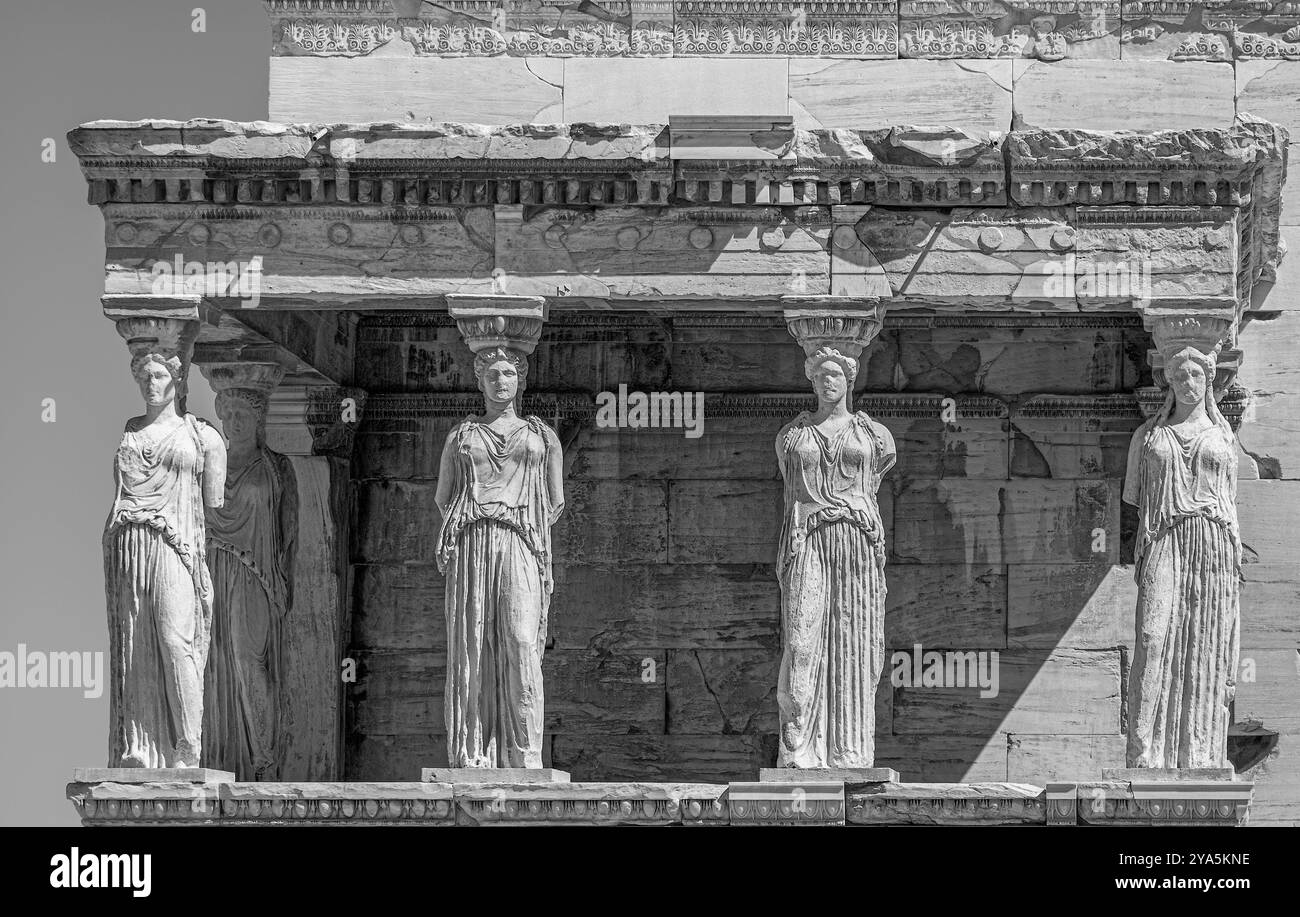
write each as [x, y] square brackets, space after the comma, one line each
[158, 375]
[242, 412]
[1191, 375]
[500, 372]
[832, 373]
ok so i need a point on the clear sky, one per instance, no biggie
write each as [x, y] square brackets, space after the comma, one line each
[62, 64]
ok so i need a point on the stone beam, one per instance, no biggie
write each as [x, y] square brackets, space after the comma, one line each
[263, 218]
[313, 348]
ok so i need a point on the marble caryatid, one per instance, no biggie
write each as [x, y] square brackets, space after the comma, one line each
[251, 543]
[831, 556]
[1182, 476]
[500, 489]
[169, 465]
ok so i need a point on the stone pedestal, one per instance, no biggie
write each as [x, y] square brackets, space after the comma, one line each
[497, 776]
[147, 795]
[846, 775]
[1194, 797]
[173, 799]
[150, 775]
[947, 804]
[788, 802]
[1160, 774]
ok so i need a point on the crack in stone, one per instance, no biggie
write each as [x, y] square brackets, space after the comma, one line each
[726, 720]
[528, 65]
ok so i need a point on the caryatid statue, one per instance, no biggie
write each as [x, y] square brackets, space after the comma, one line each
[1182, 476]
[500, 489]
[169, 465]
[831, 556]
[251, 544]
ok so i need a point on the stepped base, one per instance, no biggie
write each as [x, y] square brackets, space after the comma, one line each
[496, 775]
[789, 802]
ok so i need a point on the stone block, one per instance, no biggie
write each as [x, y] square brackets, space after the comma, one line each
[671, 758]
[1266, 512]
[723, 522]
[974, 95]
[947, 804]
[1041, 759]
[1074, 436]
[722, 692]
[658, 88]
[336, 804]
[1268, 683]
[1270, 427]
[586, 804]
[946, 606]
[806, 803]
[1270, 595]
[943, 757]
[1063, 692]
[1268, 89]
[1130, 95]
[585, 693]
[481, 90]
[1078, 606]
[133, 775]
[642, 254]
[498, 776]
[845, 775]
[1203, 803]
[629, 607]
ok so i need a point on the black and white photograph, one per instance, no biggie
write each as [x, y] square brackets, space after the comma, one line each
[651, 413]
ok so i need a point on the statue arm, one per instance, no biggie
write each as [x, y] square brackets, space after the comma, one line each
[554, 473]
[446, 472]
[888, 451]
[214, 465]
[288, 523]
[1132, 490]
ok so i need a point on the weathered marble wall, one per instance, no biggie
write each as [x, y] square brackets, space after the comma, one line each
[1097, 64]
[664, 557]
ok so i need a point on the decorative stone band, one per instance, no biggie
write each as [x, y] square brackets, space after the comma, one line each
[492, 320]
[1233, 403]
[1193, 803]
[947, 804]
[357, 803]
[451, 164]
[396, 412]
[392, 412]
[1049, 30]
[178, 802]
[787, 803]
